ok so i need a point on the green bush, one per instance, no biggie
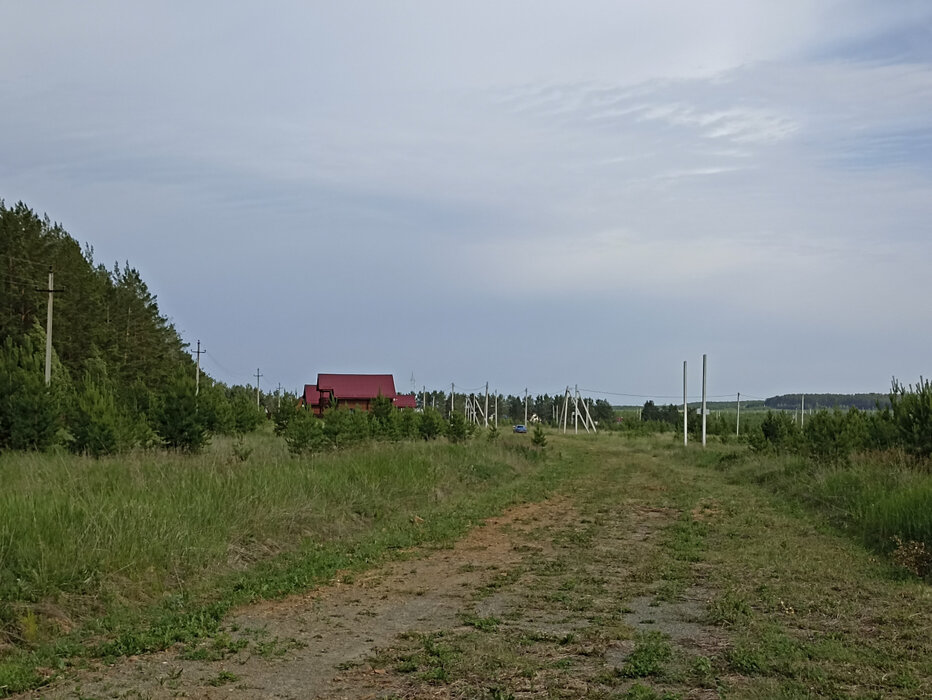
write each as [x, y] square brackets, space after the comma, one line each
[344, 427]
[247, 416]
[29, 413]
[777, 433]
[457, 430]
[538, 439]
[287, 409]
[911, 409]
[431, 424]
[383, 419]
[177, 419]
[834, 435]
[97, 427]
[407, 424]
[305, 433]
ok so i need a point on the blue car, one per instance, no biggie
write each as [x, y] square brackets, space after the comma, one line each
[520, 428]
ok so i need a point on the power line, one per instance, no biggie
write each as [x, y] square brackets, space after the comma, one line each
[655, 396]
[213, 358]
[41, 265]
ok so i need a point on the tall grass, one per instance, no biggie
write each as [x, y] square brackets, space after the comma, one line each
[80, 525]
[883, 498]
[86, 534]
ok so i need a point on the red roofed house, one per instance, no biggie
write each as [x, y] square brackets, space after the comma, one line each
[405, 401]
[353, 391]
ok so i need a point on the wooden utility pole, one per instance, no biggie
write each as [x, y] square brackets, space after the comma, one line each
[576, 410]
[496, 409]
[566, 407]
[48, 326]
[738, 419]
[525, 406]
[197, 375]
[486, 416]
[257, 387]
[802, 407]
[452, 395]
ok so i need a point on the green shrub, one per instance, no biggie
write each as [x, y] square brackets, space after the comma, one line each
[777, 433]
[29, 414]
[96, 424]
[177, 419]
[383, 419]
[407, 424]
[305, 433]
[431, 424]
[247, 416]
[911, 409]
[287, 409]
[457, 430]
[538, 439]
[833, 435]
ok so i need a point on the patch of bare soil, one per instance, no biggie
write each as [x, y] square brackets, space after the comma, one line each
[541, 600]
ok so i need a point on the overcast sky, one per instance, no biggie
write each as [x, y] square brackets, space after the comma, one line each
[534, 194]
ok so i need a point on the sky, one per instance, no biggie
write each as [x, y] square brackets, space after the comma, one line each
[533, 194]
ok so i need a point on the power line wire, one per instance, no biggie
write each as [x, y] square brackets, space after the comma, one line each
[27, 262]
[656, 396]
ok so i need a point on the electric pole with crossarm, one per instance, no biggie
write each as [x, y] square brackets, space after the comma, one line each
[48, 326]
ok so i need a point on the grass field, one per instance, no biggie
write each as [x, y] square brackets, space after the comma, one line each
[127, 555]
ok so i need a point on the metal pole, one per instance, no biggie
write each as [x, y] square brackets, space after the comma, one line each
[703, 399]
[685, 408]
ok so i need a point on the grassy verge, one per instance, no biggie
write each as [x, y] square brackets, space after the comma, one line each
[126, 555]
[882, 499]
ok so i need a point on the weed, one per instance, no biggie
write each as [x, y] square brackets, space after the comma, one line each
[651, 651]
[275, 647]
[241, 450]
[728, 609]
[217, 649]
[483, 624]
[223, 678]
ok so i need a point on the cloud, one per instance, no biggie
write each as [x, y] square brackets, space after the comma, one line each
[769, 164]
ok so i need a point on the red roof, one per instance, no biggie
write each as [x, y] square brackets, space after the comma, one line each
[311, 395]
[406, 401]
[357, 386]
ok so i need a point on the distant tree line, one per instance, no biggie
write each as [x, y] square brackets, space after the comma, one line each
[121, 374]
[864, 402]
